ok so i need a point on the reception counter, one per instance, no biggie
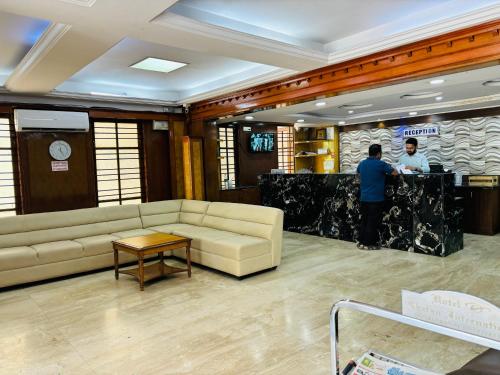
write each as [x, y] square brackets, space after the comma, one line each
[420, 213]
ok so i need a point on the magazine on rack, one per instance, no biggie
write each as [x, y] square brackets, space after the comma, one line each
[372, 363]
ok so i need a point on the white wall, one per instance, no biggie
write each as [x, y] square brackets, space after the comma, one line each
[469, 146]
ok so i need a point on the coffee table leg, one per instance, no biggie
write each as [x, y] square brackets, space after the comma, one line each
[141, 272]
[115, 251]
[162, 264]
[188, 258]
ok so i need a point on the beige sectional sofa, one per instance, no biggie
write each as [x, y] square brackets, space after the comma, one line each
[235, 238]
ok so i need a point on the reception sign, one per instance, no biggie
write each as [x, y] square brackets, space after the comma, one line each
[422, 132]
[454, 310]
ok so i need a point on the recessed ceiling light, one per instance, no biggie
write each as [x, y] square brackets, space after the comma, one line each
[350, 112]
[493, 82]
[436, 81]
[355, 106]
[158, 65]
[320, 104]
[413, 113]
[438, 98]
[300, 120]
[341, 122]
[249, 117]
[421, 95]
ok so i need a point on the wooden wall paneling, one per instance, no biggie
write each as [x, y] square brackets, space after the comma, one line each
[156, 163]
[44, 190]
[455, 51]
[481, 209]
[211, 161]
[253, 164]
[194, 177]
[248, 195]
[176, 132]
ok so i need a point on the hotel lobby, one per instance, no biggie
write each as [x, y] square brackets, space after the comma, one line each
[182, 188]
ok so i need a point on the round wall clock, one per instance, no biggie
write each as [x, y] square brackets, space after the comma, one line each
[60, 150]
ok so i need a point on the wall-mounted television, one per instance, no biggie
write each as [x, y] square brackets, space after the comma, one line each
[262, 142]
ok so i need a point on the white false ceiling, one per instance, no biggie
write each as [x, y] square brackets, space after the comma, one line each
[459, 92]
[318, 21]
[111, 73]
[17, 35]
[88, 45]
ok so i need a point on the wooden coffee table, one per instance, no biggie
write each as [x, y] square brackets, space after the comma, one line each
[155, 243]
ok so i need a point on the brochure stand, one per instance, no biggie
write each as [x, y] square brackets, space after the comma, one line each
[397, 317]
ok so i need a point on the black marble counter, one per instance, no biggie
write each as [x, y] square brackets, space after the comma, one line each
[420, 212]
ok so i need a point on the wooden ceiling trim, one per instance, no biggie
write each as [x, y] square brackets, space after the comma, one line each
[458, 50]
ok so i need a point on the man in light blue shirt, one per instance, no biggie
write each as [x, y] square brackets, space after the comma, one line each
[413, 160]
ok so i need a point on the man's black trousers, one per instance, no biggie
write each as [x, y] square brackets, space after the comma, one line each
[371, 219]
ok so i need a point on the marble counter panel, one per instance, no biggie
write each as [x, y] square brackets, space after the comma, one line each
[420, 213]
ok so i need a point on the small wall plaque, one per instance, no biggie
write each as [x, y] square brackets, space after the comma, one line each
[59, 166]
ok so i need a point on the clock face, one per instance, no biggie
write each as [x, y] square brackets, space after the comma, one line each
[60, 150]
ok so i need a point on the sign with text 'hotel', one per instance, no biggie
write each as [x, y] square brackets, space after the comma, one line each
[454, 310]
[424, 132]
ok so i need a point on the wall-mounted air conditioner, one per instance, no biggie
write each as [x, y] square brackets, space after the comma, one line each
[50, 121]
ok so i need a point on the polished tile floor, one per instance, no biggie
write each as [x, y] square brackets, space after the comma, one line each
[273, 323]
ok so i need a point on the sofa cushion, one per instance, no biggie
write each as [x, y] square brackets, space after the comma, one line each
[169, 228]
[57, 251]
[17, 257]
[201, 234]
[133, 233]
[96, 245]
[192, 211]
[238, 247]
[160, 213]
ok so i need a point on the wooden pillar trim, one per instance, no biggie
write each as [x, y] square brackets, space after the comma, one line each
[460, 49]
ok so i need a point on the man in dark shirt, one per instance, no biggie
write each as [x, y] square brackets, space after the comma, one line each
[372, 175]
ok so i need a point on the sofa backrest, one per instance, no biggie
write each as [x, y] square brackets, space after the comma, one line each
[160, 213]
[25, 230]
[192, 212]
[247, 219]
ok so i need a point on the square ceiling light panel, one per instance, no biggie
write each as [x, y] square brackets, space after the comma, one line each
[158, 65]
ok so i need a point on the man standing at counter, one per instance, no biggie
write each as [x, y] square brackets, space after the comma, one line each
[413, 160]
[372, 175]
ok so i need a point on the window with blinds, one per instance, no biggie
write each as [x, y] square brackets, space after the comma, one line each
[285, 148]
[227, 158]
[7, 179]
[118, 163]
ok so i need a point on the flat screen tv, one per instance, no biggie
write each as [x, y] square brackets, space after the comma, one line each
[262, 142]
